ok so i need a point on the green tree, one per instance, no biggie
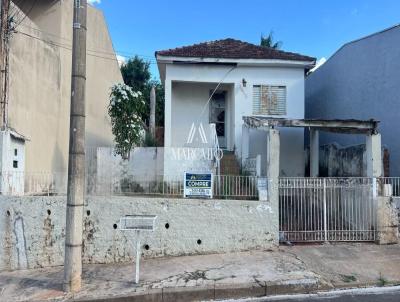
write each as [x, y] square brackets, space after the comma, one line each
[136, 74]
[268, 41]
[125, 108]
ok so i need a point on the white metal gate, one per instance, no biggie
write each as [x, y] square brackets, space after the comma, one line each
[327, 209]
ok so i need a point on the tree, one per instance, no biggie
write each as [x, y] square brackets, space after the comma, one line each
[125, 108]
[136, 74]
[268, 41]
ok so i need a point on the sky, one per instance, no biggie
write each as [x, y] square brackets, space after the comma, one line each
[311, 27]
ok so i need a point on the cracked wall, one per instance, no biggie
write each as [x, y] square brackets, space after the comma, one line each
[33, 228]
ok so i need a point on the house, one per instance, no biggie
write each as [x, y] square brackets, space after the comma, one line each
[361, 81]
[40, 82]
[220, 82]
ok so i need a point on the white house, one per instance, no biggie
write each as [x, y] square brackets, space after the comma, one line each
[220, 82]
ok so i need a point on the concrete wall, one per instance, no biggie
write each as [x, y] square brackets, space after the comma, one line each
[33, 228]
[361, 80]
[338, 161]
[292, 140]
[146, 163]
[40, 83]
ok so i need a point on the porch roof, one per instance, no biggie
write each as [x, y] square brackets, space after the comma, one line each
[352, 126]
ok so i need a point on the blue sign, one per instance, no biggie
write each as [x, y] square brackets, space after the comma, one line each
[198, 185]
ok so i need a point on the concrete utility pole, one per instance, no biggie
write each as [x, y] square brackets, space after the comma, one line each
[76, 163]
[152, 122]
[4, 39]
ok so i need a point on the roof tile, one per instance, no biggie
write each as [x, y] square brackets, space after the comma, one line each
[232, 49]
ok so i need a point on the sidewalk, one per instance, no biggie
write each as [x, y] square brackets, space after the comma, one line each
[290, 269]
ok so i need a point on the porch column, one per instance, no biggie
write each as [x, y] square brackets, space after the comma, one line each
[273, 152]
[245, 143]
[168, 113]
[314, 153]
[374, 156]
[273, 165]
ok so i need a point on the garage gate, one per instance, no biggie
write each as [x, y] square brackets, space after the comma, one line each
[327, 209]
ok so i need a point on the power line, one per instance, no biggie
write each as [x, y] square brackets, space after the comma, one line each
[46, 32]
[122, 52]
[27, 14]
[104, 52]
[68, 47]
[126, 54]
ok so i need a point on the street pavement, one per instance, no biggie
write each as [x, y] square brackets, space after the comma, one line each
[295, 269]
[389, 294]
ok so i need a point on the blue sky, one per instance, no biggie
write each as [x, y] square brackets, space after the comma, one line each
[311, 27]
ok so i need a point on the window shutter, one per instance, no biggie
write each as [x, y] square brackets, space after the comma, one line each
[269, 100]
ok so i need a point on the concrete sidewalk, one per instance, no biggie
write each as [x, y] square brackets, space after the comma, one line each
[249, 274]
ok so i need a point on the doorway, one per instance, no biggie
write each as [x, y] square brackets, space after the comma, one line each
[218, 116]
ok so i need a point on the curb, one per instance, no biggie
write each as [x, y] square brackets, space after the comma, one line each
[216, 292]
[232, 291]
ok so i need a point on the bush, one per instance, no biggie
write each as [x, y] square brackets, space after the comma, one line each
[125, 109]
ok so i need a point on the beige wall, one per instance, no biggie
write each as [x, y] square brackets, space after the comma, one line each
[40, 80]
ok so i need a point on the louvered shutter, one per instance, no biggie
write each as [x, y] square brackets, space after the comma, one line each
[269, 100]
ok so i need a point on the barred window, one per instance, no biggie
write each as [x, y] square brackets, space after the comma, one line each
[269, 100]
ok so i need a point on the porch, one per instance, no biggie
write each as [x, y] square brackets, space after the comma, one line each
[192, 107]
[328, 209]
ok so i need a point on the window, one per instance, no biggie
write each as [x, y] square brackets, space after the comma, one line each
[15, 152]
[269, 100]
[15, 164]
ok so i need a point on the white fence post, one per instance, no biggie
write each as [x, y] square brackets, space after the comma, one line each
[325, 214]
[245, 143]
[137, 266]
[258, 165]
[374, 188]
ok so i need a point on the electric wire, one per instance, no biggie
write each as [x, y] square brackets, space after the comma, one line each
[27, 14]
[91, 53]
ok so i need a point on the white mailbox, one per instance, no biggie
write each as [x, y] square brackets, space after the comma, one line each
[137, 223]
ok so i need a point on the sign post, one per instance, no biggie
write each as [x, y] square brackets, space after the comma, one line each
[137, 223]
[198, 185]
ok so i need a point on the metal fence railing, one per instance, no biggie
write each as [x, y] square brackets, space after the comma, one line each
[224, 186]
[253, 165]
[327, 209]
[390, 186]
[235, 187]
[145, 185]
[36, 183]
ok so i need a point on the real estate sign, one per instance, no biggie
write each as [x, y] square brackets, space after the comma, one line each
[198, 185]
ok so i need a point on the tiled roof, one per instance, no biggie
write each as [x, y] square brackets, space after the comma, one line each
[232, 49]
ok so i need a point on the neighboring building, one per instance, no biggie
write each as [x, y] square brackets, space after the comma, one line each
[250, 80]
[40, 82]
[361, 81]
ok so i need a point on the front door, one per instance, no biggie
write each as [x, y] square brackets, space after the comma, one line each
[218, 116]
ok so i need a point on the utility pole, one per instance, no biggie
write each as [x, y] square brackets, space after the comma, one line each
[4, 55]
[76, 160]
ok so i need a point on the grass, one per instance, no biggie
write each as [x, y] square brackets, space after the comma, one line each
[348, 278]
[382, 281]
